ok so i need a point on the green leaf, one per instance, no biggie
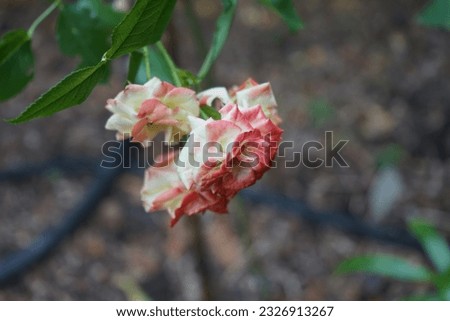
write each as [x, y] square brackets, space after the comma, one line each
[220, 36]
[388, 266]
[84, 29]
[72, 90]
[432, 242]
[11, 42]
[436, 14]
[16, 63]
[159, 67]
[143, 25]
[445, 293]
[286, 10]
[209, 112]
[16, 72]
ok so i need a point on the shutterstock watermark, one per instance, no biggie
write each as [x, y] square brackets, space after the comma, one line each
[245, 153]
[314, 154]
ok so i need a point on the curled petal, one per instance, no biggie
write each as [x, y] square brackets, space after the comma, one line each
[258, 119]
[198, 202]
[207, 97]
[250, 82]
[156, 112]
[232, 113]
[259, 95]
[182, 98]
[239, 178]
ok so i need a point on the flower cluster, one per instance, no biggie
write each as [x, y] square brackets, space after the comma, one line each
[220, 157]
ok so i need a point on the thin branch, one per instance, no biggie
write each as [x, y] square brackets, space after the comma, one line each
[42, 17]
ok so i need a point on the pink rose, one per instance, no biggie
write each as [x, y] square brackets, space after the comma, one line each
[144, 111]
[224, 156]
[247, 95]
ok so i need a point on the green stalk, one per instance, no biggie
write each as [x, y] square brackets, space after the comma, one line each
[147, 63]
[42, 17]
[220, 36]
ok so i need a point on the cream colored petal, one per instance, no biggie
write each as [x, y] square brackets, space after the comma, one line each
[159, 180]
[119, 123]
[153, 86]
[184, 99]
[214, 93]
[261, 94]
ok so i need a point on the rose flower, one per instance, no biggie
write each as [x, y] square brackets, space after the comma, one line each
[143, 111]
[220, 158]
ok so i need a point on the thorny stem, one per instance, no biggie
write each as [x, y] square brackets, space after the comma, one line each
[42, 17]
[201, 256]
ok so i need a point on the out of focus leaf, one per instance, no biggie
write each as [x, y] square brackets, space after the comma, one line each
[16, 72]
[72, 90]
[436, 14]
[84, 29]
[320, 112]
[16, 63]
[442, 283]
[388, 266]
[132, 290]
[143, 25]
[390, 156]
[432, 242]
[286, 10]
[11, 42]
[223, 26]
[385, 190]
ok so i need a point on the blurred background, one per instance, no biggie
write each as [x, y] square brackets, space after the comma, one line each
[365, 70]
